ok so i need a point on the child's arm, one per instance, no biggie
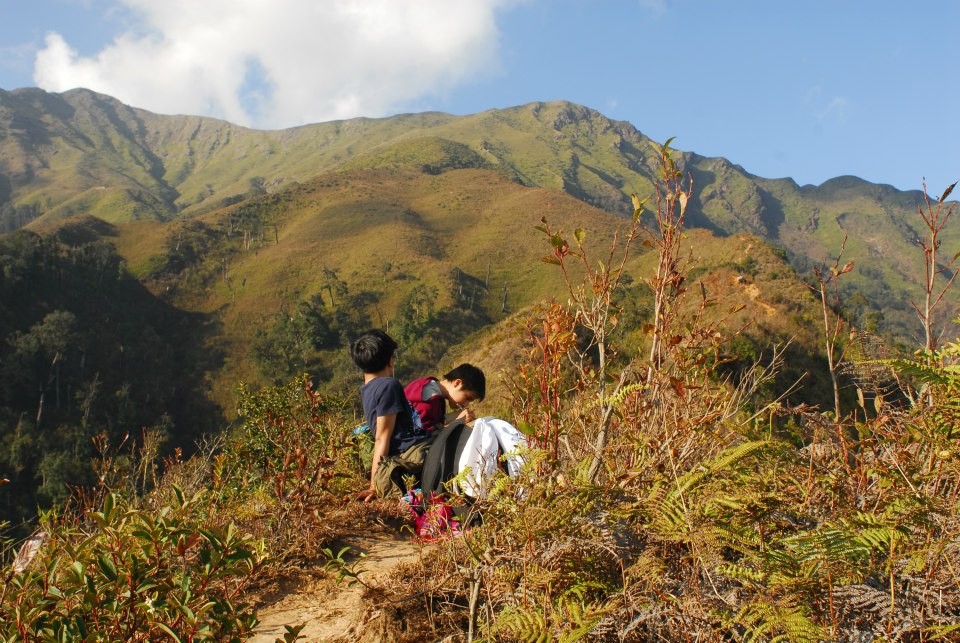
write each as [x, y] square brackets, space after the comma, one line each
[466, 415]
[381, 447]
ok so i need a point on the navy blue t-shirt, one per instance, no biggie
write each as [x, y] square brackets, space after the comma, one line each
[383, 396]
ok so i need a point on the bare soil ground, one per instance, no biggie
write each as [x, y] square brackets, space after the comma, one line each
[339, 612]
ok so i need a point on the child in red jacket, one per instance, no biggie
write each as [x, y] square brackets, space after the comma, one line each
[429, 396]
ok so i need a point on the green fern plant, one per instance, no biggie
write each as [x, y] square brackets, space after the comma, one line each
[671, 503]
[528, 625]
[773, 621]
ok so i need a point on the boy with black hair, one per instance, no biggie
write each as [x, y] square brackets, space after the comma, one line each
[399, 442]
[429, 396]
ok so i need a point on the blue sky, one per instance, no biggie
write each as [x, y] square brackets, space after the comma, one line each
[809, 89]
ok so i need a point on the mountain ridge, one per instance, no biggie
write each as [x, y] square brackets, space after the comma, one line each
[80, 152]
[170, 146]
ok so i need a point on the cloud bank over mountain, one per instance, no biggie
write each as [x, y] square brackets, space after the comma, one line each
[280, 63]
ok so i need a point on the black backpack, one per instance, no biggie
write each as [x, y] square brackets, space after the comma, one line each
[442, 464]
[442, 458]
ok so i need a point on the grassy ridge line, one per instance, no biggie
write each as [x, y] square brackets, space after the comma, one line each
[189, 162]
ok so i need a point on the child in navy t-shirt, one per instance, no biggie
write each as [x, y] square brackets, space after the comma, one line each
[399, 442]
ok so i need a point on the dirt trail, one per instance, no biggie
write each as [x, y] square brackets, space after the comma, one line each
[754, 292]
[336, 612]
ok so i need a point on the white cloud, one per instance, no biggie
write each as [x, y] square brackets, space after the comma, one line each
[280, 63]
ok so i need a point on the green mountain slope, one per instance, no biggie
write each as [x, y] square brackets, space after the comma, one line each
[84, 153]
[59, 147]
[361, 243]
[75, 154]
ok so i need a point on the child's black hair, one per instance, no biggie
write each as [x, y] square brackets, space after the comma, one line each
[472, 377]
[372, 350]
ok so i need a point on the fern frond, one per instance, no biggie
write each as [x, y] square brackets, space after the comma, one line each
[862, 600]
[742, 573]
[923, 373]
[880, 538]
[671, 520]
[724, 461]
[618, 397]
[829, 544]
[771, 622]
[941, 632]
[726, 536]
[527, 625]
[866, 361]
[579, 613]
[579, 633]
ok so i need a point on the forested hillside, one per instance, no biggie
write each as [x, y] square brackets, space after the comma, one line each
[89, 357]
